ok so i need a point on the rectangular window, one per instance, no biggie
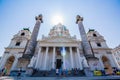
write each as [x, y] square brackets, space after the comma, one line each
[17, 44]
[98, 44]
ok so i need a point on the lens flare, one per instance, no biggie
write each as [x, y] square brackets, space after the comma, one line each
[63, 52]
[57, 19]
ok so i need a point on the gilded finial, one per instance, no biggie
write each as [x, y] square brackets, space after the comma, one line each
[39, 17]
[78, 18]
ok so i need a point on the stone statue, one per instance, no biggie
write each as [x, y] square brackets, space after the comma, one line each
[39, 17]
[84, 62]
[78, 18]
[32, 62]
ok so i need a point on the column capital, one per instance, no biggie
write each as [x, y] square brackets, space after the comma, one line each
[78, 18]
[39, 17]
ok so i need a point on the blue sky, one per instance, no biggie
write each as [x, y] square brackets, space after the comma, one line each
[101, 15]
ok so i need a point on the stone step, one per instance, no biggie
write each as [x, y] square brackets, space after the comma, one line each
[53, 74]
[62, 78]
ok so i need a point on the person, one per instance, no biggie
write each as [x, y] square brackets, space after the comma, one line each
[57, 72]
[66, 72]
[4, 71]
[114, 71]
[69, 72]
[60, 72]
[1, 71]
[19, 72]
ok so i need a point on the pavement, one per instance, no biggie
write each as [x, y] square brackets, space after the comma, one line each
[62, 78]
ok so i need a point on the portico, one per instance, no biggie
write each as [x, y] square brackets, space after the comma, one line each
[55, 57]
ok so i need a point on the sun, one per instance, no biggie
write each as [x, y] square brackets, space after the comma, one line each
[57, 19]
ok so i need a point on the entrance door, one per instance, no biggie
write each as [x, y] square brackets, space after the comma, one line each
[58, 63]
[9, 63]
[108, 68]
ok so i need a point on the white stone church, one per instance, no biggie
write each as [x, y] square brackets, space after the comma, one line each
[58, 50]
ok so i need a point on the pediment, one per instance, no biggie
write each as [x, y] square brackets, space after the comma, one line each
[59, 39]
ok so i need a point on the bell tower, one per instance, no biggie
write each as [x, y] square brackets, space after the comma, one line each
[96, 40]
[21, 39]
[15, 50]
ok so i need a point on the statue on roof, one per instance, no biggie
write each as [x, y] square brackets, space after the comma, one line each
[39, 17]
[78, 18]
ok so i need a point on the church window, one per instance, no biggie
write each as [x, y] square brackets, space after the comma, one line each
[98, 44]
[94, 35]
[17, 44]
[22, 34]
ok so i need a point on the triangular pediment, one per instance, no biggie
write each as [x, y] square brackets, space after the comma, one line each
[59, 39]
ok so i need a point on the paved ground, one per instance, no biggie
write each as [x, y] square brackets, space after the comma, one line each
[62, 78]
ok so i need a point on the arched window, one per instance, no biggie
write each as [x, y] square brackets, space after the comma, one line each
[107, 66]
[17, 44]
[104, 59]
[9, 63]
[22, 34]
[98, 44]
[94, 35]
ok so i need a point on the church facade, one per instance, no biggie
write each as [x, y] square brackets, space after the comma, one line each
[58, 50]
[116, 54]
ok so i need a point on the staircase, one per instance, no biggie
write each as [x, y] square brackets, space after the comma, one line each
[52, 73]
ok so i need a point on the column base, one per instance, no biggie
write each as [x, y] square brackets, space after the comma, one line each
[88, 72]
[93, 62]
[29, 71]
[23, 63]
